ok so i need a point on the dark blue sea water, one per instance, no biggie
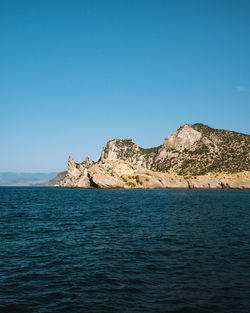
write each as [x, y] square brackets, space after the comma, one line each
[72, 250]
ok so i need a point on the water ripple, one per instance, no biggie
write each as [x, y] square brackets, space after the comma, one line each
[71, 250]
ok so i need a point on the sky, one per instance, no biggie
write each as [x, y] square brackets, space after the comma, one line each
[75, 74]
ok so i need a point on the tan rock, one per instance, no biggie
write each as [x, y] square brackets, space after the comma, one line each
[121, 174]
[194, 156]
[182, 139]
[100, 177]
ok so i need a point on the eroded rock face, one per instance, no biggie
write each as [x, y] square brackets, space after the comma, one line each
[77, 174]
[191, 150]
[88, 162]
[100, 177]
[126, 149]
[194, 156]
[220, 181]
[182, 139]
[121, 174]
[73, 171]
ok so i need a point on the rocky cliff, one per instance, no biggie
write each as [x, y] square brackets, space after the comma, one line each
[191, 150]
[194, 156]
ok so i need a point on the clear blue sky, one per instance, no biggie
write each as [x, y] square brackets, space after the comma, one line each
[74, 74]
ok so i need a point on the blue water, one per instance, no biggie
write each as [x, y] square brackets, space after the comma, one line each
[72, 250]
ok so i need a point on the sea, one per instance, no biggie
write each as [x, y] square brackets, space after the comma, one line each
[80, 250]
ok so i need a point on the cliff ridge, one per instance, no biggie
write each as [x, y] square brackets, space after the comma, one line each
[193, 156]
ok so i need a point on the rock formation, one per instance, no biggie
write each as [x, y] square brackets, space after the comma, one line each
[194, 156]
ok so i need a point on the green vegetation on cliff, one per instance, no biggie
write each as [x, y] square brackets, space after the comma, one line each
[191, 150]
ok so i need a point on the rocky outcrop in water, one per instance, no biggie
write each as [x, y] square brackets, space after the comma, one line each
[121, 174]
[194, 156]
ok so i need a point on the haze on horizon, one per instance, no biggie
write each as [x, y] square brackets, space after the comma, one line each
[75, 74]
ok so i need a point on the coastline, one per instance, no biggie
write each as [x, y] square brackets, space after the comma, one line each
[122, 175]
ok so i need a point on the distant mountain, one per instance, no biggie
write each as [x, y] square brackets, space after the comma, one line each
[25, 179]
[194, 156]
[56, 180]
